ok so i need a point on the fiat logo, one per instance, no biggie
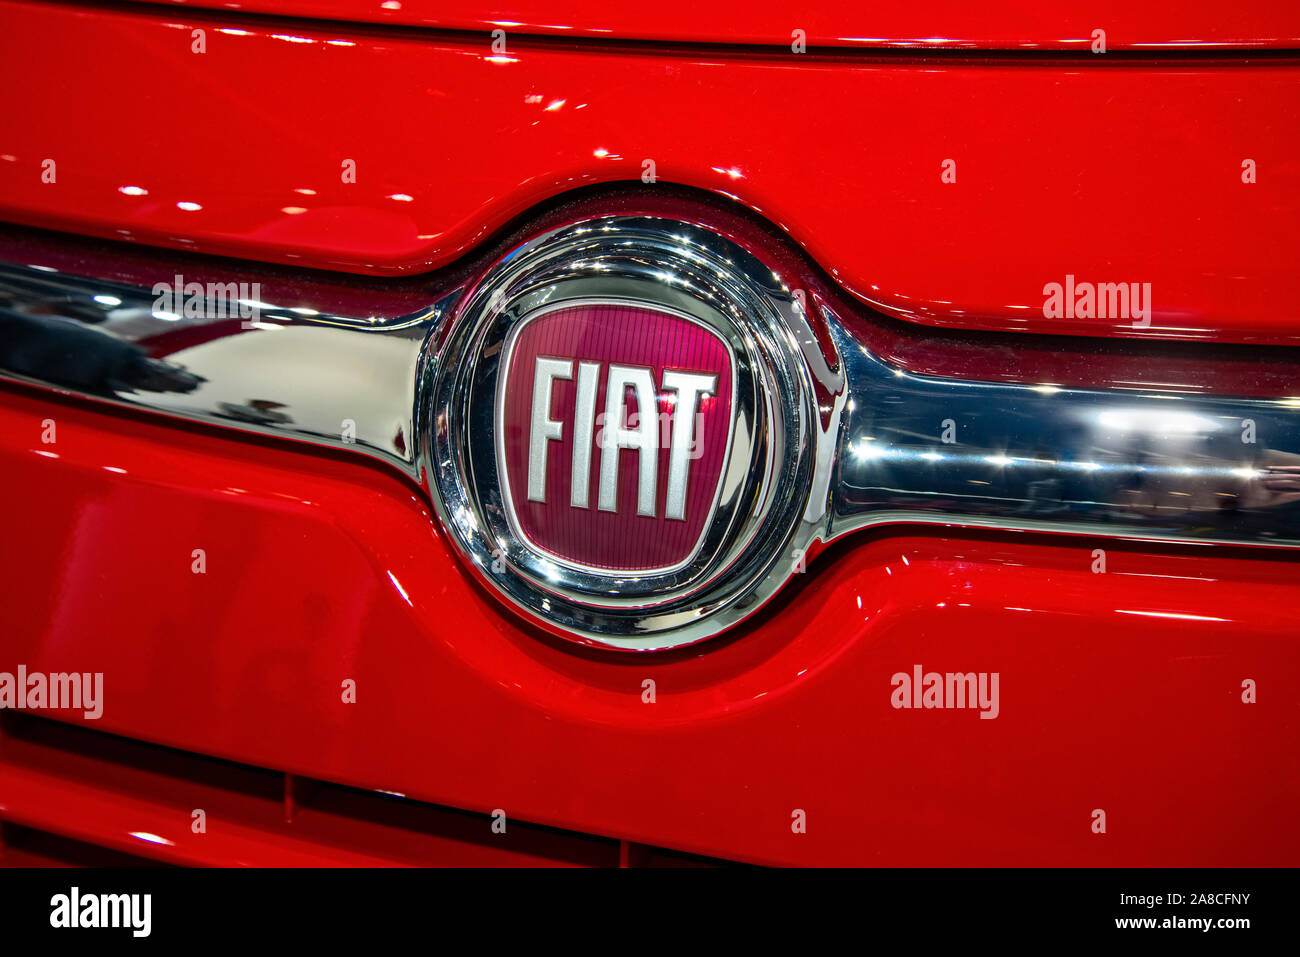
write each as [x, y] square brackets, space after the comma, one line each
[621, 435]
[614, 422]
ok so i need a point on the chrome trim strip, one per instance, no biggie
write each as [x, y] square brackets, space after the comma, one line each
[294, 371]
[1153, 466]
[832, 438]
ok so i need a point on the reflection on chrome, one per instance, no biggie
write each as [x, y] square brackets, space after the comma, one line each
[1155, 466]
[298, 371]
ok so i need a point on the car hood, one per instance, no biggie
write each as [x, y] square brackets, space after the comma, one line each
[943, 24]
[1004, 192]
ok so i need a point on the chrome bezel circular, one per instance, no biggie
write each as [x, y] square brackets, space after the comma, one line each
[759, 514]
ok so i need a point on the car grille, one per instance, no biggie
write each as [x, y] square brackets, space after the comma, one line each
[69, 795]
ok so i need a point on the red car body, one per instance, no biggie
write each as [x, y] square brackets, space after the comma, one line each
[1124, 689]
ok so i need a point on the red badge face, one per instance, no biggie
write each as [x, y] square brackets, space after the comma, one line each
[614, 422]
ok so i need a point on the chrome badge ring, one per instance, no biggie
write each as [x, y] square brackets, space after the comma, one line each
[561, 513]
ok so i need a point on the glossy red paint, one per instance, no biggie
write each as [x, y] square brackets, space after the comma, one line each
[1108, 170]
[321, 569]
[939, 24]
